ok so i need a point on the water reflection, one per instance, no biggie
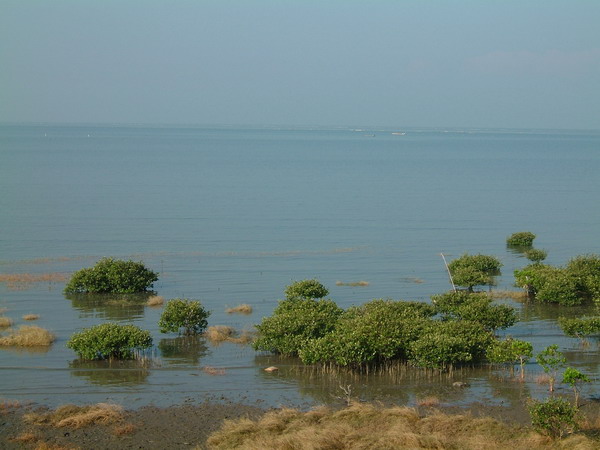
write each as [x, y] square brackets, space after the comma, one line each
[36, 350]
[397, 383]
[112, 372]
[110, 306]
[183, 350]
[532, 311]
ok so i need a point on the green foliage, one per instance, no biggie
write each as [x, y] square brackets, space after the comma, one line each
[586, 271]
[110, 340]
[377, 331]
[573, 378]
[114, 276]
[521, 239]
[580, 327]
[551, 360]
[294, 322]
[445, 344]
[305, 289]
[474, 307]
[554, 417]
[474, 270]
[185, 314]
[536, 255]
[549, 284]
[510, 351]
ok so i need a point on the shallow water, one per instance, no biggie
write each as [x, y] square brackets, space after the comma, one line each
[232, 216]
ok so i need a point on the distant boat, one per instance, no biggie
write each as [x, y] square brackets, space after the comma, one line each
[399, 133]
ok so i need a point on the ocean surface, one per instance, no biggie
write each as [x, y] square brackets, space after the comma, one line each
[233, 215]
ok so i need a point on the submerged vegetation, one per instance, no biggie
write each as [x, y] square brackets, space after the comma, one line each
[112, 276]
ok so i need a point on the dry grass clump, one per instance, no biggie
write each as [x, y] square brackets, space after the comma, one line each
[519, 296]
[5, 322]
[73, 416]
[19, 281]
[7, 406]
[213, 370]
[31, 317]
[124, 429]
[28, 336]
[364, 426]
[25, 438]
[218, 334]
[428, 402]
[155, 300]
[240, 309]
[353, 283]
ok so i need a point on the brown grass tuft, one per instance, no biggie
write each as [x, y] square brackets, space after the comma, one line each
[78, 416]
[5, 322]
[25, 438]
[428, 402]
[155, 300]
[28, 336]
[520, 296]
[353, 283]
[31, 317]
[124, 429]
[363, 426]
[218, 334]
[213, 371]
[240, 309]
[50, 446]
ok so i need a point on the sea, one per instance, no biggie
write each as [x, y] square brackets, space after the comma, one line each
[232, 215]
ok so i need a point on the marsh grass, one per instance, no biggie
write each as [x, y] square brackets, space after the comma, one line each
[362, 426]
[218, 334]
[75, 417]
[28, 336]
[519, 296]
[121, 430]
[240, 309]
[25, 438]
[22, 281]
[155, 300]
[31, 317]
[7, 406]
[353, 283]
[5, 322]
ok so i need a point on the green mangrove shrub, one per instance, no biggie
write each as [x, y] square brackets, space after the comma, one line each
[510, 351]
[474, 270]
[580, 327]
[110, 340]
[520, 239]
[549, 284]
[586, 270]
[536, 255]
[183, 316]
[474, 307]
[446, 344]
[112, 276]
[294, 322]
[551, 360]
[574, 378]
[305, 289]
[554, 417]
[375, 332]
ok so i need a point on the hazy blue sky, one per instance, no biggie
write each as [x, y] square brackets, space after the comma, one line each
[526, 64]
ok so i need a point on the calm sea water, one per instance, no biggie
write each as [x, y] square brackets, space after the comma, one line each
[231, 216]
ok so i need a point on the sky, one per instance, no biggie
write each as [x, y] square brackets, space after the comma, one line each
[422, 63]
